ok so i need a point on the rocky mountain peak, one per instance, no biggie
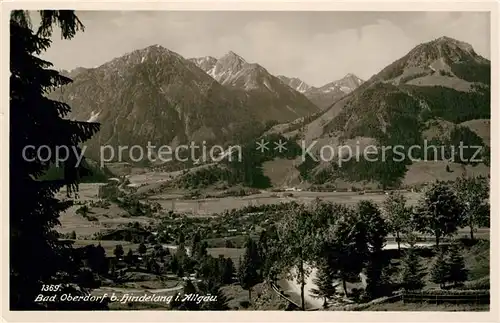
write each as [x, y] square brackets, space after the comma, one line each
[444, 48]
[444, 56]
[350, 80]
[154, 54]
[344, 85]
[232, 61]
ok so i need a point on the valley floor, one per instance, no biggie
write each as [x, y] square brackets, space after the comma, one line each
[114, 217]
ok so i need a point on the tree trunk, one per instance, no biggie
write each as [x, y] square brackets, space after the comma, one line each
[345, 286]
[437, 240]
[399, 242]
[250, 295]
[302, 299]
[471, 231]
[302, 282]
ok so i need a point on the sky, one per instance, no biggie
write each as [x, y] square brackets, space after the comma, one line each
[317, 47]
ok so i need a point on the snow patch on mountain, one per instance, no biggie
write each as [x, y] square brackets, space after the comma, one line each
[266, 84]
[346, 89]
[295, 83]
[93, 116]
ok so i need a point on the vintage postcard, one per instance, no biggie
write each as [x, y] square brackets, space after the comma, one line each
[249, 161]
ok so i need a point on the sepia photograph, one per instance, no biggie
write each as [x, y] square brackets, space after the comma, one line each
[175, 160]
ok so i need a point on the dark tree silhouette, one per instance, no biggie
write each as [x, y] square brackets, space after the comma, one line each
[195, 245]
[227, 271]
[129, 257]
[324, 282]
[440, 269]
[142, 249]
[397, 215]
[456, 265]
[35, 121]
[247, 274]
[412, 271]
[118, 252]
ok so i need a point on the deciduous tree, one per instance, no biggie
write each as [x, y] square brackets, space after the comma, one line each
[439, 212]
[295, 234]
[473, 192]
[346, 244]
[397, 215]
[376, 226]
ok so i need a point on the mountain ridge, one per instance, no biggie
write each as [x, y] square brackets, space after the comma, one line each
[274, 100]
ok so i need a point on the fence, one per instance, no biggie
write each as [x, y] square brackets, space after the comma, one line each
[479, 297]
[463, 298]
[289, 300]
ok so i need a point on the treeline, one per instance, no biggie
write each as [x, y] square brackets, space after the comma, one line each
[472, 71]
[452, 105]
[390, 170]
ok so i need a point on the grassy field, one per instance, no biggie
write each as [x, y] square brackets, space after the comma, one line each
[427, 172]
[114, 216]
[109, 218]
[219, 205]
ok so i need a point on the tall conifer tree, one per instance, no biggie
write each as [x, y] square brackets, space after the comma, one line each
[36, 121]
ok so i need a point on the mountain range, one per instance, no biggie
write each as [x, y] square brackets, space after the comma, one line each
[266, 94]
[233, 71]
[156, 95]
[325, 95]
